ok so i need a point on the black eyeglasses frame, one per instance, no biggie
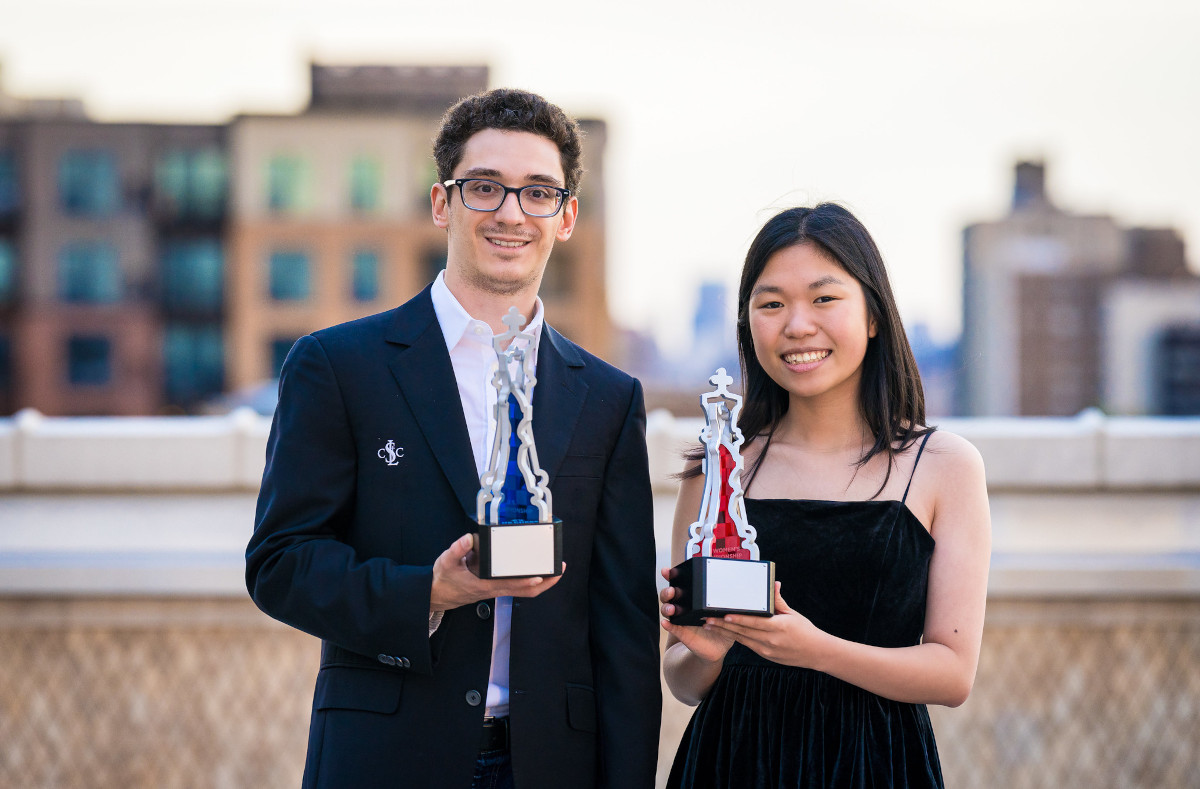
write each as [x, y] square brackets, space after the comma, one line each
[562, 199]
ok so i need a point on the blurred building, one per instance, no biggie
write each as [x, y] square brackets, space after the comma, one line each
[330, 214]
[1064, 311]
[110, 262]
[147, 268]
[714, 340]
[1152, 347]
[674, 379]
[938, 365]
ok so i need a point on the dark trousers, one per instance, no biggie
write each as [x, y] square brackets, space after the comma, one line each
[493, 770]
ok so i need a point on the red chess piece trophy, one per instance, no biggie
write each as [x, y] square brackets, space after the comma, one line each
[722, 573]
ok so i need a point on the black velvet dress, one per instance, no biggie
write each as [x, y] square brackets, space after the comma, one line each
[858, 570]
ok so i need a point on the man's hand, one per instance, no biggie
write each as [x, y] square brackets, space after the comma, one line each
[455, 585]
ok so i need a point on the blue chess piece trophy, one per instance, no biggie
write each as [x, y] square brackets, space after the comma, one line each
[518, 535]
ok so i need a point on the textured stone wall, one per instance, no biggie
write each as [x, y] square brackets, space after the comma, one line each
[208, 692]
[1070, 693]
[153, 694]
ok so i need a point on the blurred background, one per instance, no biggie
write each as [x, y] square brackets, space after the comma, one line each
[188, 186]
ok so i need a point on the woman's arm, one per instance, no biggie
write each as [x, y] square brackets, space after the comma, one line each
[694, 655]
[940, 670]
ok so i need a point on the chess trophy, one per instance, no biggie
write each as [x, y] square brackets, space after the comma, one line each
[721, 572]
[518, 535]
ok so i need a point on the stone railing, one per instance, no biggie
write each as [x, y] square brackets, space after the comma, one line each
[1090, 505]
[134, 658]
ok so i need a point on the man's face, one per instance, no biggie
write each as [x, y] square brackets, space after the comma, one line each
[502, 252]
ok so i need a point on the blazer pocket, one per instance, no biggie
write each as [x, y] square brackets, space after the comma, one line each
[581, 708]
[368, 690]
[590, 466]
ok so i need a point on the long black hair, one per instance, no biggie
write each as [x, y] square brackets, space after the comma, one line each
[890, 396]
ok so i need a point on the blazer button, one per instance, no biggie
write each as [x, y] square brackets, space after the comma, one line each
[404, 662]
[483, 610]
[473, 698]
[387, 660]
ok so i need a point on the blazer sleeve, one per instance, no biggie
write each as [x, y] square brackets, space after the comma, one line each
[299, 570]
[623, 604]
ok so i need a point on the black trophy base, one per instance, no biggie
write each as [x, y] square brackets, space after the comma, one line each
[715, 587]
[517, 550]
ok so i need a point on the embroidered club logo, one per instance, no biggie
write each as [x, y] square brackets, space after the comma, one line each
[391, 453]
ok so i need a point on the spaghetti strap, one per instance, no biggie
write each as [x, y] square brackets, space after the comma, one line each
[913, 473]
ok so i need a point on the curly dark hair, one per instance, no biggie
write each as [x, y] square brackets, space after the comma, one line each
[509, 109]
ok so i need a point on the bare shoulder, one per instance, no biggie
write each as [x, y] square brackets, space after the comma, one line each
[952, 454]
[956, 476]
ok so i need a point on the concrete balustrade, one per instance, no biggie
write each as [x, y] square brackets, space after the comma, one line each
[1091, 505]
[132, 453]
[122, 597]
[1090, 451]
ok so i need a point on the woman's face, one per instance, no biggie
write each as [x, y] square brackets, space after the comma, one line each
[809, 323]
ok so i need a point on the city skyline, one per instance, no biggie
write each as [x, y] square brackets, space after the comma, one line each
[912, 117]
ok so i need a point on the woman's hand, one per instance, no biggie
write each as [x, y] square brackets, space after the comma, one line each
[706, 644]
[788, 638]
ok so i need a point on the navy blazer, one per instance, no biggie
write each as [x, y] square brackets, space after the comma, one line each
[344, 544]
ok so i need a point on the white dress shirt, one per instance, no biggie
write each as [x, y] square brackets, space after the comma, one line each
[473, 356]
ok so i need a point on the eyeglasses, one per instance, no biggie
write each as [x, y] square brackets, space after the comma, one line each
[480, 194]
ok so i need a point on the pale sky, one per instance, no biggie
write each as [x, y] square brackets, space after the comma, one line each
[912, 114]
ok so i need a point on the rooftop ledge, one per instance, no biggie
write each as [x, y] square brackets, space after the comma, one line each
[1088, 452]
[1091, 506]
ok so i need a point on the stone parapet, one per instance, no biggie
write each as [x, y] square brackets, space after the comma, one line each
[1089, 506]
[39, 453]
[1087, 452]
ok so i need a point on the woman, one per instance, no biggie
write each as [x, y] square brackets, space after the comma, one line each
[881, 561]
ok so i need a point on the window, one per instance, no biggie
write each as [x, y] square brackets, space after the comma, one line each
[1176, 372]
[426, 176]
[89, 360]
[88, 273]
[192, 274]
[365, 284]
[558, 278]
[5, 363]
[288, 183]
[290, 275]
[87, 183]
[433, 261]
[8, 271]
[192, 184]
[280, 347]
[366, 184]
[193, 361]
[8, 183]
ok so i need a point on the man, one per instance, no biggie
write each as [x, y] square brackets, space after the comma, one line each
[430, 676]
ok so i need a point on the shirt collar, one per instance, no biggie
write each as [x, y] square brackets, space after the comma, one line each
[454, 320]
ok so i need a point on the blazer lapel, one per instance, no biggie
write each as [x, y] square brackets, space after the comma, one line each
[425, 375]
[558, 399]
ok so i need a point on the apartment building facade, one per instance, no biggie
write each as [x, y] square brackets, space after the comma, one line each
[110, 264]
[147, 268]
[1063, 312]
